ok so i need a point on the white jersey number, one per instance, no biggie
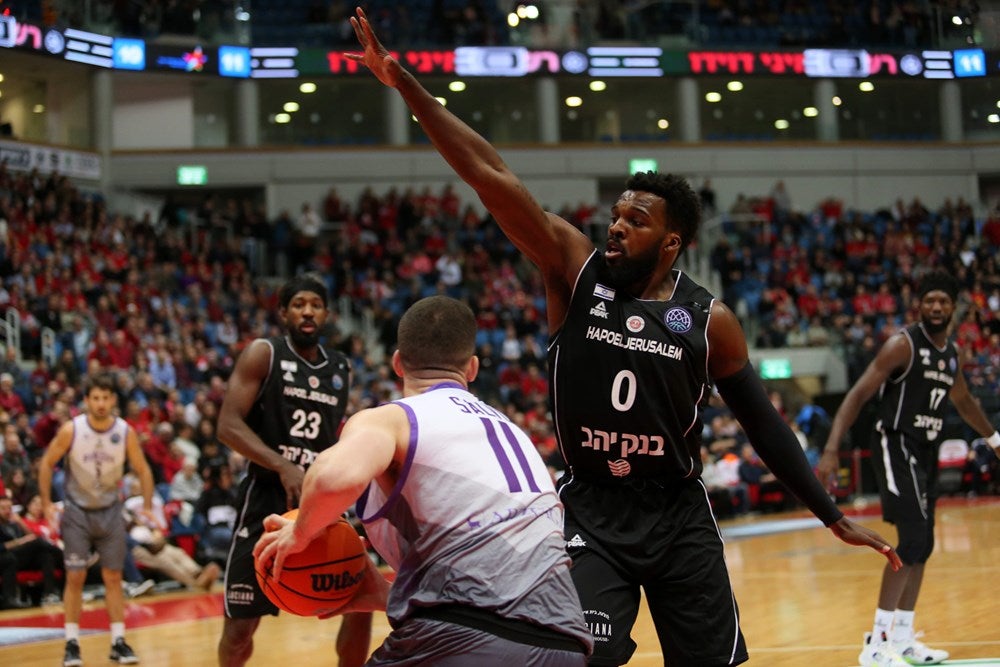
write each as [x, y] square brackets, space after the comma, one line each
[306, 424]
[625, 383]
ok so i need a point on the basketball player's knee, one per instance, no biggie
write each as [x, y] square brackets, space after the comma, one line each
[239, 631]
[915, 548]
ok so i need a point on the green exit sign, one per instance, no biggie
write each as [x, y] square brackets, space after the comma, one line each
[635, 165]
[775, 369]
[192, 174]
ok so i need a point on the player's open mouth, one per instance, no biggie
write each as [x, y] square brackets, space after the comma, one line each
[612, 250]
[307, 327]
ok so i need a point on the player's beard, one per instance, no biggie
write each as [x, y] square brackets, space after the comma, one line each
[934, 328]
[629, 270]
[305, 340]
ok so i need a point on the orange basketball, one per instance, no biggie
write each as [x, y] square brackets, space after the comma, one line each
[320, 578]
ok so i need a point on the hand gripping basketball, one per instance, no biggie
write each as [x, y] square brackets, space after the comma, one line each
[320, 578]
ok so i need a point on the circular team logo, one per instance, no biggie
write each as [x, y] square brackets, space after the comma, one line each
[313, 382]
[115, 438]
[952, 364]
[338, 382]
[678, 320]
[635, 324]
[940, 364]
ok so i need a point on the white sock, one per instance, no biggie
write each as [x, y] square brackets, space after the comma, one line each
[117, 632]
[72, 631]
[902, 626]
[883, 624]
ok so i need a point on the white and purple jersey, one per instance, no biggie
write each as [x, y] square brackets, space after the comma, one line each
[473, 519]
[95, 463]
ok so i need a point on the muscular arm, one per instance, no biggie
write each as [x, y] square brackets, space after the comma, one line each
[774, 441]
[53, 453]
[241, 391]
[371, 443]
[137, 460]
[968, 407]
[556, 247]
[893, 356]
[746, 397]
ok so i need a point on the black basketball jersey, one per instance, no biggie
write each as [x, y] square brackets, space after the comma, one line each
[913, 403]
[627, 378]
[300, 404]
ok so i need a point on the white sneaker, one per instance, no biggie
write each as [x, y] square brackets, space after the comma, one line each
[915, 652]
[879, 654]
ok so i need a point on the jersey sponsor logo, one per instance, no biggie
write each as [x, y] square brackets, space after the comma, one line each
[493, 518]
[576, 542]
[243, 532]
[288, 377]
[635, 324]
[317, 396]
[116, 438]
[300, 456]
[604, 292]
[313, 382]
[938, 376]
[932, 424]
[599, 310]
[678, 320]
[620, 468]
[940, 364]
[632, 343]
[289, 366]
[337, 382]
[925, 356]
[629, 443]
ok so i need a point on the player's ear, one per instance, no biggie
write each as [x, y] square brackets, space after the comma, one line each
[397, 363]
[472, 369]
[673, 242]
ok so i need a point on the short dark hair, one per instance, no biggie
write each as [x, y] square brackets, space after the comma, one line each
[437, 332]
[105, 381]
[683, 203]
[938, 279]
[303, 283]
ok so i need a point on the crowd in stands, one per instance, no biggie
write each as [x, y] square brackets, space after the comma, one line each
[168, 301]
[319, 23]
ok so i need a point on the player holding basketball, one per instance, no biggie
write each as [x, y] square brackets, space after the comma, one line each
[284, 404]
[455, 498]
[912, 372]
[635, 348]
[96, 445]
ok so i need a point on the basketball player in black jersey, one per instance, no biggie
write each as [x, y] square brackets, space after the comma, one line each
[912, 373]
[284, 404]
[635, 348]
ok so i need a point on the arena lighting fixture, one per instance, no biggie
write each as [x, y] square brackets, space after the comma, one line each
[307, 87]
[663, 123]
[866, 86]
[443, 101]
[1, 78]
[837, 101]
[713, 97]
[956, 20]
[38, 108]
[810, 112]
[456, 86]
[513, 20]
[574, 101]
[598, 86]
[282, 118]
[993, 118]
[291, 107]
[781, 124]
[735, 86]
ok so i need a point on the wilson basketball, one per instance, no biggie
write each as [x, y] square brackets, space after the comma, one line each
[320, 578]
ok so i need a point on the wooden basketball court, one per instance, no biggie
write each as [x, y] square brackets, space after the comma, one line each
[805, 600]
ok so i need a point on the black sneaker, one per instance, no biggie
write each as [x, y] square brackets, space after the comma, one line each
[71, 657]
[122, 653]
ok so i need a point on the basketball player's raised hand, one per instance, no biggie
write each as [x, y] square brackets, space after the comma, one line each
[852, 533]
[375, 57]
